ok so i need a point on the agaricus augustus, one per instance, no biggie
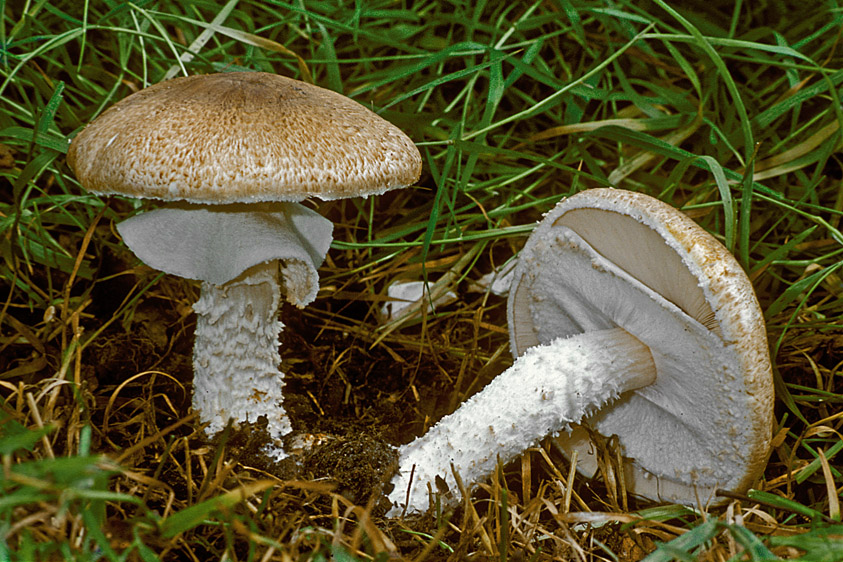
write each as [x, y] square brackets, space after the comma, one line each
[626, 318]
[235, 153]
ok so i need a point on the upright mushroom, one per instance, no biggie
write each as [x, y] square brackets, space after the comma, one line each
[626, 317]
[236, 152]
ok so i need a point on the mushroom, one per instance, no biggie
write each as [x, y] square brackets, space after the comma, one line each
[234, 153]
[628, 319]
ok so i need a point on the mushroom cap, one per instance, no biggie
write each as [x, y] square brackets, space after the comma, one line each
[241, 137]
[706, 422]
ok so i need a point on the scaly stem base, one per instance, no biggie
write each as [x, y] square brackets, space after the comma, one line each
[235, 357]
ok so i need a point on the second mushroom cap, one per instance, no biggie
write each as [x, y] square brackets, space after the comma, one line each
[706, 421]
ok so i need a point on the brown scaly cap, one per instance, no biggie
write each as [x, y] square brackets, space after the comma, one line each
[241, 137]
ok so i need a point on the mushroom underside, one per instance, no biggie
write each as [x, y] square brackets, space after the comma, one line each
[688, 434]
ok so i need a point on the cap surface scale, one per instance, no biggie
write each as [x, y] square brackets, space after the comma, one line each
[241, 137]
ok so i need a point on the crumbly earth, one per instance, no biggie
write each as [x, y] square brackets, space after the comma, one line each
[360, 465]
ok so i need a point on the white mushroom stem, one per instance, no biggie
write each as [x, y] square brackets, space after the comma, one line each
[235, 356]
[247, 256]
[546, 390]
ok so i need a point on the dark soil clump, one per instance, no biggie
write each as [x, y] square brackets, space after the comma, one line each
[360, 465]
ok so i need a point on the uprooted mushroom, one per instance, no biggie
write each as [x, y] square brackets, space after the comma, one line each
[629, 319]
